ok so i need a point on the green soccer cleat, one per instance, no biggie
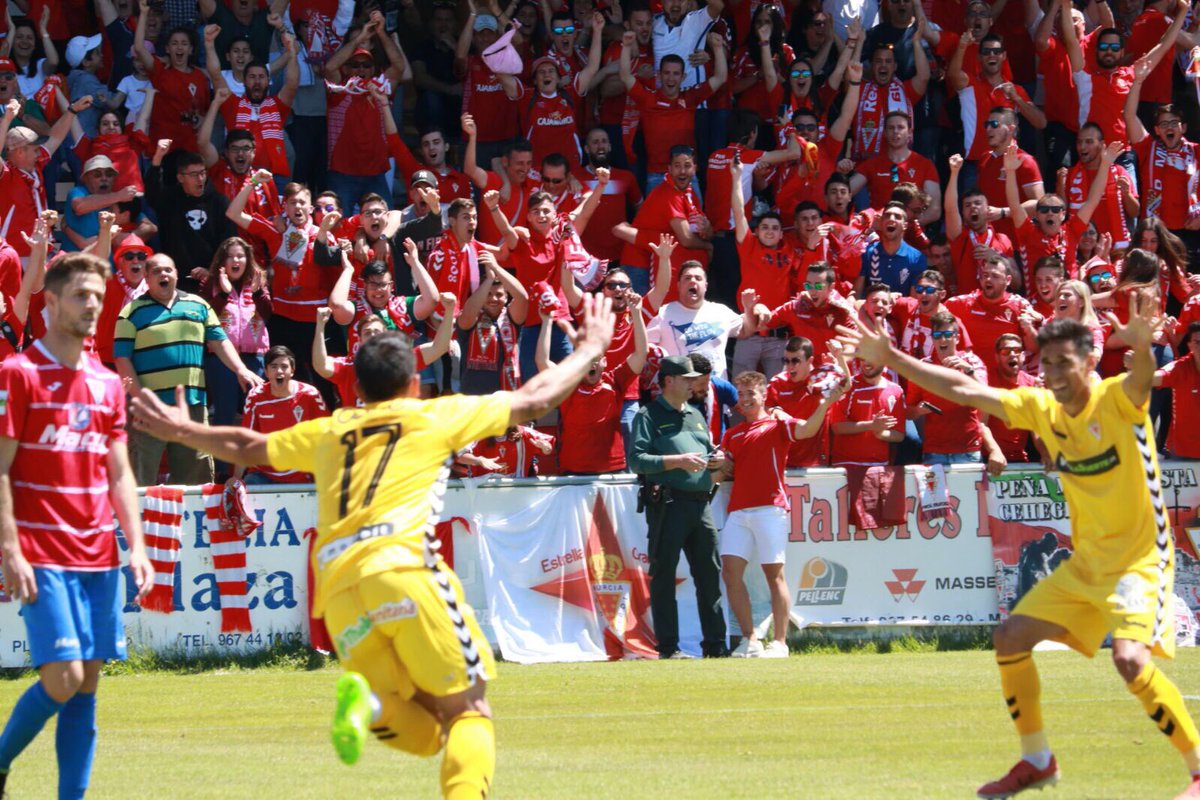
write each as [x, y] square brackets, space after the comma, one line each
[352, 717]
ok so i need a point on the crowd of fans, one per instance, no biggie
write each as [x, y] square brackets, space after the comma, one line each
[277, 182]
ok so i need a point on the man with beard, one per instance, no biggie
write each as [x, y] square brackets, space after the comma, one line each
[488, 330]
[990, 89]
[890, 259]
[548, 118]
[1009, 373]
[953, 433]
[884, 93]
[619, 201]
[84, 203]
[302, 258]
[513, 183]
[898, 164]
[277, 404]
[992, 310]
[159, 345]
[264, 116]
[1118, 199]
[1049, 231]
[693, 324]
[812, 313]
[1102, 83]
[590, 441]
[682, 33]
[1167, 164]
[191, 215]
[911, 315]
[972, 238]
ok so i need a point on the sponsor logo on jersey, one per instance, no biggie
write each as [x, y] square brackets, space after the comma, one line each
[1095, 465]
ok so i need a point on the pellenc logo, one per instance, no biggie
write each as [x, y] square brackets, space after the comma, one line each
[822, 583]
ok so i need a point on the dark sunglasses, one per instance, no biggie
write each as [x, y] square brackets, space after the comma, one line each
[617, 286]
[1111, 47]
[554, 181]
[801, 73]
[134, 255]
[992, 123]
[950, 334]
[1052, 209]
[925, 289]
[360, 64]
[990, 51]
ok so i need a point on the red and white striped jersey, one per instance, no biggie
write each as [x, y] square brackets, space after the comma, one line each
[265, 120]
[64, 421]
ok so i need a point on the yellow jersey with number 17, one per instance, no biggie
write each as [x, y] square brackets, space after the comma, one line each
[380, 472]
[1106, 459]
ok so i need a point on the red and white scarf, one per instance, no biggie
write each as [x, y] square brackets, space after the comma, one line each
[357, 85]
[481, 349]
[869, 118]
[162, 519]
[1160, 156]
[228, 527]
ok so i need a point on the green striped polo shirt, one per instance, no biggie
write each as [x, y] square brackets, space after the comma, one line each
[167, 344]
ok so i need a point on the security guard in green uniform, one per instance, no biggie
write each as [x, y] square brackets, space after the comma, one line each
[672, 451]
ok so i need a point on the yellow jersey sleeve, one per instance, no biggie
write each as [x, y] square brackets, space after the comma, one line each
[1024, 407]
[466, 418]
[296, 447]
[1121, 403]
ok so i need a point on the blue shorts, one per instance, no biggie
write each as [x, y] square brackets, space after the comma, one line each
[77, 616]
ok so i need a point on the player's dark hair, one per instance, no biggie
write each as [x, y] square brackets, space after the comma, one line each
[875, 288]
[806, 205]
[1010, 116]
[63, 269]
[934, 277]
[517, 146]
[384, 366]
[280, 351]
[700, 363]
[836, 179]
[433, 128]
[1093, 126]
[974, 191]
[1053, 261]
[1066, 330]
[539, 197]
[260, 65]
[800, 344]
[1008, 337]
[770, 215]
[671, 58]
[556, 160]
[459, 205]
[690, 265]
[898, 113]
[680, 149]
[238, 135]
[187, 159]
[992, 37]
[1110, 32]
[1191, 331]
[1166, 109]
[743, 128]
[371, 197]
[294, 188]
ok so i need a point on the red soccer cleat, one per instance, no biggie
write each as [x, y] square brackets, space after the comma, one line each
[1021, 777]
[1193, 790]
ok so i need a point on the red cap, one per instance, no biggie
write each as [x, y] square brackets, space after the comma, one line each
[7, 65]
[537, 62]
[362, 51]
[130, 243]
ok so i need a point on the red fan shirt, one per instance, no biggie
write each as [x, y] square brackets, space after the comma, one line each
[590, 436]
[667, 122]
[1011, 441]
[265, 120]
[799, 401]
[266, 413]
[759, 451]
[862, 404]
[956, 429]
[182, 99]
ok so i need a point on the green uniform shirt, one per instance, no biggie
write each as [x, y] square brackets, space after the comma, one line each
[660, 430]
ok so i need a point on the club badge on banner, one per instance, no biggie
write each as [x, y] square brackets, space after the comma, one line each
[566, 575]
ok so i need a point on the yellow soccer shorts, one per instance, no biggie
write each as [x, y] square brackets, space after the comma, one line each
[1128, 605]
[407, 629]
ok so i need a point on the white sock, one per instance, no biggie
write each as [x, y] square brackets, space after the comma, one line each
[376, 709]
[1040, 759]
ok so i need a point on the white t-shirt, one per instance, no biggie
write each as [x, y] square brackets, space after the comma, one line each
[682, 331]
[29, 86]
[237, 87]
[684, 39]
[132, 85]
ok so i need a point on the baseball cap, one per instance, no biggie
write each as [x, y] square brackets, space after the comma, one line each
[19, 136]
[537, 62]
[131, 243]
[362, 51]
[80, 46]
[98, 162]
[7, 65]
[486, 22]
[677, 365]
[423, 176]
[1099, 266]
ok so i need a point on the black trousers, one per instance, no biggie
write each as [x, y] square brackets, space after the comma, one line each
[684, 525]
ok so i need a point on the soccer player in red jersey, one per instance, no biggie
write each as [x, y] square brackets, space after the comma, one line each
[1009, 373]
[669, 113]
[1049, 231]
[64, 474]
[590, 441]
[1182, 377]
[972, 238]
[1118, 199]
[760, 520]
[275, 405]
[992, 310]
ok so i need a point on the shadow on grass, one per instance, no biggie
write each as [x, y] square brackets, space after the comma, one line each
[282, 656]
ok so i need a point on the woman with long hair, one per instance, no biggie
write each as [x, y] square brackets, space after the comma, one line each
[1152, 236]
[758, 64]
[236, 288]
[31, 50]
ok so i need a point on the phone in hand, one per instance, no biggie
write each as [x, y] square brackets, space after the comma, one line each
[930, 407]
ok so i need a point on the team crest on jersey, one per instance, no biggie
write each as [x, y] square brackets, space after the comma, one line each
[79, 416]
[298, 413]
[97, 389]
[1094, 429]
[891, 402]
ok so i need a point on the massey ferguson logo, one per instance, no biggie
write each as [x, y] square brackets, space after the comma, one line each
[822, 583]
[905, 585]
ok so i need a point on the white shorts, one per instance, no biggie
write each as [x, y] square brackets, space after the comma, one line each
[762, 529]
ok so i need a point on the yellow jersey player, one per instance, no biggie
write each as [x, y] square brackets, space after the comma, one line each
[1120, 576]
[416, 661]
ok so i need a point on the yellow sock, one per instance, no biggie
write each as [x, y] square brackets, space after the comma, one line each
[1022, 692]
[406, 725]
[1163, 703]
[470, 759]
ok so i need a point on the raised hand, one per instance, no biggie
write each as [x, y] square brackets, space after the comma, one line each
[491, 199]
[854, 71]
[956, 162]
[871, 344]
[161, 148]
[221, 95]
[468, 126]
[603, 176]
[629, 40]
[1111, 151]
[665, 247]
[1012, 158]
[412, 257]
[211, 32]
[324, 314]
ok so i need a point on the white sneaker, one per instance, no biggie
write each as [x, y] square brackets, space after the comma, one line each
[775, 649]
[748, 648]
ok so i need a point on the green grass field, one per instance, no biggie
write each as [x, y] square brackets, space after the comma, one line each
[902, 725]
